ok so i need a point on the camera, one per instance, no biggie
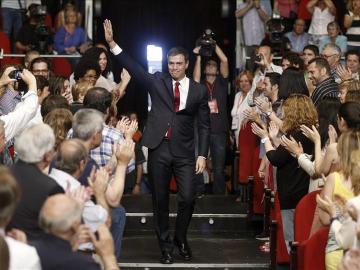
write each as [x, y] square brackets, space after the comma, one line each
[38, 12]
[21, 85]
[258, 58]
[207, 43]
[15, 74]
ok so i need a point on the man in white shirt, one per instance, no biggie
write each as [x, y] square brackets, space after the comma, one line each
[70, 162]
[22, 256]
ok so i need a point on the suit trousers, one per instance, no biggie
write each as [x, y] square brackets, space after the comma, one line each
[162, 164]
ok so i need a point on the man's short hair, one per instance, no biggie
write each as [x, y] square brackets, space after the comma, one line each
[33, 143]
[334, 47]
[178, 50]
[274, 78]
[321, 63]
[312, 48]
[86, 122]
[294, 59]
[9, 194]
[70, 154]
[352, 52]
[98, 98]
[41, 60]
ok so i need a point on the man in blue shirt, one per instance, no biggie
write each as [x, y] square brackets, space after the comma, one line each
[298, 38]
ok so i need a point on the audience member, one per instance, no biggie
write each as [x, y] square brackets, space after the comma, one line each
[59, 85]
[11, 15]
[35, 150]
[292, 59]
[70, 38]
[88, 70]
[60, 120]
[334, 37]
[41, 66]
[22, 256]
[53, 102]
[292, 81]
[60, 218]
[352, 62]
[323, 12]
[352, 95]
[298, 37]
[320, 75]
[309, 53]
[298, 110]
[60, 17]
[332, 53]
[287, 11]
[243, 86]
[10, 92]
[253, 17]
[351, 23]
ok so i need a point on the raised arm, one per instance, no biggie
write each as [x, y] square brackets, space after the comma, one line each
[197, 67]
[311, 6]
[224, 65]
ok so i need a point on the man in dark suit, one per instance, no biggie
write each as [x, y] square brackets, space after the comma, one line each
[169, 135]
[35, 149]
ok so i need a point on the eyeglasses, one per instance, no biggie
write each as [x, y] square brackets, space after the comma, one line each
[327, 56]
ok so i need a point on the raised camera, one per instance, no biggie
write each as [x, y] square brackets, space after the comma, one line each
[15, 74]
[258, 58]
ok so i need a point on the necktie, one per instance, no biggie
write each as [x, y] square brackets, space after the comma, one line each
[176, 97]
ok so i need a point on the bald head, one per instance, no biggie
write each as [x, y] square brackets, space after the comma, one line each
[59, 213]
[69, 156]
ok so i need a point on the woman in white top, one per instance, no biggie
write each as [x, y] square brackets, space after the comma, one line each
[243, 84]
[323, 12]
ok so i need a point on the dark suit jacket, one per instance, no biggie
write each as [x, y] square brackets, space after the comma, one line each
[162, 114]
[35, 188]
[56, 253]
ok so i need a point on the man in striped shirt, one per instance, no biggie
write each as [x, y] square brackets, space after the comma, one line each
[320, 75]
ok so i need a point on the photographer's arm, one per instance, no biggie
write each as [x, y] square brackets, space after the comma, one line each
[224, 65]
[311, 6]
[25, 110]
[197, 67]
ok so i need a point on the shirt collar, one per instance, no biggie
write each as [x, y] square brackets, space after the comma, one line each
[182, 81]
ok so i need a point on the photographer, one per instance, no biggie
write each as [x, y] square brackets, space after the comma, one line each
[216, 82]
[16, 120]
[34, 34]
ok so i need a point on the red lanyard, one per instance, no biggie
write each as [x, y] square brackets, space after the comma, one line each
[210, 88]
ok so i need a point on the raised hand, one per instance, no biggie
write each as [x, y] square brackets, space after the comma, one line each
[122, 124]
[131, 129]
[125, 152]
[261, 132]
[343, 72]
[263, 105]
[312, 134]
[273, 130]
[291, 145]
[108, 31]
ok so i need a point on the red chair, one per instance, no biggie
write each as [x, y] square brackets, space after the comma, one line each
[5, 42]
[61, 67]
[311, 253]
[304, 215]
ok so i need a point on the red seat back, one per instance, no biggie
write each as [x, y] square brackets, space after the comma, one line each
[304, 215]
[61, 67]
[311, 253]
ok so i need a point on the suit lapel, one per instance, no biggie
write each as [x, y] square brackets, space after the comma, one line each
[190, 93]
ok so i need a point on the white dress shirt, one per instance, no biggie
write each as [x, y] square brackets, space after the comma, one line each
[22, 256]
[93, 214]
[184, 90]
[21, 116]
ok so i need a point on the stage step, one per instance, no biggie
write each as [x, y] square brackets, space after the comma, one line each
[213, 214]
[208, 253]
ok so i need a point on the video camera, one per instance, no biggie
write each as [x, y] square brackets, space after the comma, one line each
[207, 43]
[38, 12]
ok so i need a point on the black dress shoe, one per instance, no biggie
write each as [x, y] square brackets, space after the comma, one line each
[184, 250]
[166, 258]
